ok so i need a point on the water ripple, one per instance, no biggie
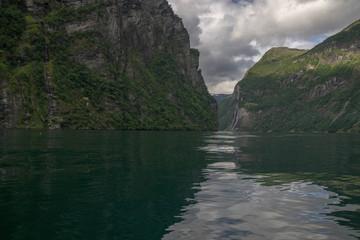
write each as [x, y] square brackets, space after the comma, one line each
[234, 206]
[231, 204]
[213, 148]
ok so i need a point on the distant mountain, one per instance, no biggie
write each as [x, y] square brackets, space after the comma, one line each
[220, 97]
[291, 90]
[99, 65]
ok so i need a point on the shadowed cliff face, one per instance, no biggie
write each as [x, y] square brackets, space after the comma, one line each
[109, 64]
[291, 90]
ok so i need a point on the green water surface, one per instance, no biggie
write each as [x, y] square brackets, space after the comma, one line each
[95, 184]
[178, 185]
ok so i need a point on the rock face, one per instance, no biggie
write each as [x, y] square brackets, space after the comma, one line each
[123, 64]
[291, 90]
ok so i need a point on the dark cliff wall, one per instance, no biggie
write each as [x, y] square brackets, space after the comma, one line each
[124, 64]
[292, 90]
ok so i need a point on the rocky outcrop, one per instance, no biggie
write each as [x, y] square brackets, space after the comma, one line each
[334, 84]
[138, 53]
[241, 119]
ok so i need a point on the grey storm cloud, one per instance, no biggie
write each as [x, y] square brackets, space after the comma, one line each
[223, 67]
[232, 35]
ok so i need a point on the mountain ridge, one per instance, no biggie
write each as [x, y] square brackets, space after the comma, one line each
[292, 90]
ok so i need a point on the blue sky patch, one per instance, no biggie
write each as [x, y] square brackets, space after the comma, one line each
[318, 38]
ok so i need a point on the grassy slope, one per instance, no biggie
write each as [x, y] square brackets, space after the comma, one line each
[280, 88]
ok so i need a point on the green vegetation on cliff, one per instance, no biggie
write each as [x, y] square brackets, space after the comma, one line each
[68, 67]
[292, 90]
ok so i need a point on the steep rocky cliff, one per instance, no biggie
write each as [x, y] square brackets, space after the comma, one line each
[291, 90]
[124, 64]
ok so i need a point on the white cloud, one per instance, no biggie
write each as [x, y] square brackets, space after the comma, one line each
[232, 36]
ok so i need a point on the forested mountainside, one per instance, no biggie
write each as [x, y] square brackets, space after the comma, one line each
[88, 64]
[221, 97]
[291, 90]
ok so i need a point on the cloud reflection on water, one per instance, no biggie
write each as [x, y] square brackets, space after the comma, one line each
[233, 205]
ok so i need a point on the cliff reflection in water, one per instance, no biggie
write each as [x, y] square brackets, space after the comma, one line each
[95, 184]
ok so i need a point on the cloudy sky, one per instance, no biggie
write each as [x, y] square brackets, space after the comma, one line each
[232, 35]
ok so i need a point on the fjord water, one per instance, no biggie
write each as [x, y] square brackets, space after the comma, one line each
[178, 185]
[95, 184]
